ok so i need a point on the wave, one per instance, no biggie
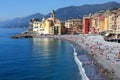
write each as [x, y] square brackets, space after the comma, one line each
[79, 63]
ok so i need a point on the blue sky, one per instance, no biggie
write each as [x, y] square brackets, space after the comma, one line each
[10, 9]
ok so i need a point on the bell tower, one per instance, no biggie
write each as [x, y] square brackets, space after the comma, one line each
[43, 18]
[52, 14]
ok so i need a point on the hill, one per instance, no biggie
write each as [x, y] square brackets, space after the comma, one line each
[63, 13]
[20, 22]
[79, 11]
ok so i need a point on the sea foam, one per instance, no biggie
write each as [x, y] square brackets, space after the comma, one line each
[79, 63]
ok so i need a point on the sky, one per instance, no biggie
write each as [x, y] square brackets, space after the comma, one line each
[10, 9]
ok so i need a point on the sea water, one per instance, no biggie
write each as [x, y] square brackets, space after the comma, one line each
[42, 59]
[36, 59]
[79, 63]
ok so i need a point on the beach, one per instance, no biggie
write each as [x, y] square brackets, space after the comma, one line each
[105, 53]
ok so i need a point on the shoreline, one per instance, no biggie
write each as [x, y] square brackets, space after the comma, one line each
[95, 68]
[94, 45]
[99, 66]
[106, 71]
[109, 75]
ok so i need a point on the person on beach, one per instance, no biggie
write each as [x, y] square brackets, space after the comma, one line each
[78, 56]
[118, 55]
[112, 71]
[101, 71]
[95, 63]
[86, 62]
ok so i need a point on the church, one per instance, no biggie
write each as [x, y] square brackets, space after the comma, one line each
[51, 25]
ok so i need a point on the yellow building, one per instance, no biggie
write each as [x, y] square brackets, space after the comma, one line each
[103, 25]
[94, 20]
[118, 22]
[107, 22]
[51, 25]
[73, 26]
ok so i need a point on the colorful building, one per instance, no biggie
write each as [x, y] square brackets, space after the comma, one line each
[34, 24]
[108, 20]
[73, 26]
[102, 21]
[118, 22]
[94, 23]
[86, 25]
[51, 25]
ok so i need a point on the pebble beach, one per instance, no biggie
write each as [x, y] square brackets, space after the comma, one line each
[105, 53]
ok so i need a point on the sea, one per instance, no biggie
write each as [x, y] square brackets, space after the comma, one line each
[43, 59]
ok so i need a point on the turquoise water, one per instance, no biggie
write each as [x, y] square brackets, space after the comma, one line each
[36, 59]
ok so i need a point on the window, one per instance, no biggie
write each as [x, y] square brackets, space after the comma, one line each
[36, 26]
[42, 29]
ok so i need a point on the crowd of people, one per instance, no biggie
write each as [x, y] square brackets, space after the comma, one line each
[95, 46]
[106, 53]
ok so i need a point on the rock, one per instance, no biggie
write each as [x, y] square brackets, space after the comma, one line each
[22, 36]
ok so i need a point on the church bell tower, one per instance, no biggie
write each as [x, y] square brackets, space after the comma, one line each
[52, 15]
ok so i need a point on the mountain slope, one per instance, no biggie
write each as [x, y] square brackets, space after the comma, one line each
[63, 14]
[80, 11]
[20, 22]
